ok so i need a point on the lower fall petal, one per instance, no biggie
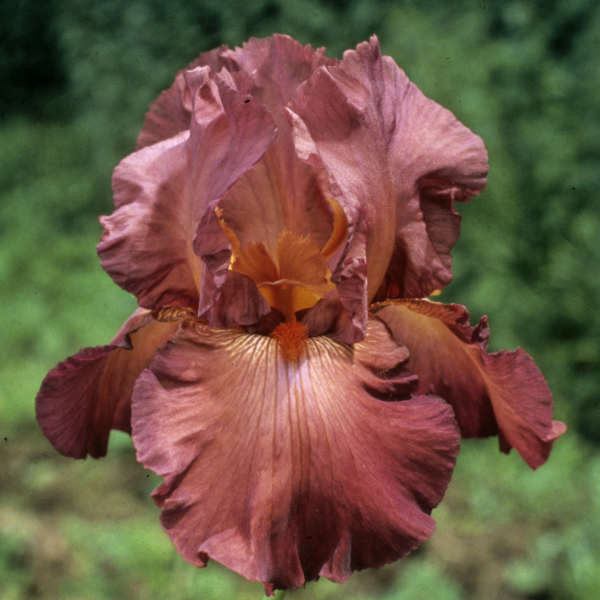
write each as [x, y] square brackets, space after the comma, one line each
[89, 393]
[287, 470]
[502, 393]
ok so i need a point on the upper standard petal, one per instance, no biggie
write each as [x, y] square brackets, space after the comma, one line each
[269, 70]
[163, 191]
[281, 198]
[286, 470]
[398, 160]
[89, 393]
[503, 392]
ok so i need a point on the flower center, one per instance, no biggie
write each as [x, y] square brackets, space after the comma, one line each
[291, 336]
[296, 275]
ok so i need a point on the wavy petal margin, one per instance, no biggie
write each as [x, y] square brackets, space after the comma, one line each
[284, 471]
[399, 160]
[276, 65]
[269, 69]
[502, 392]
[88, 394]
[162, 192]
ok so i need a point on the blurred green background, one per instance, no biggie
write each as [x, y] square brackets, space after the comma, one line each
[77, 77]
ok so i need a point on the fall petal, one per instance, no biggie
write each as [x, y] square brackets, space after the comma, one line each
[503, 392]
[88, 394]
[283, 471]
[163, 190]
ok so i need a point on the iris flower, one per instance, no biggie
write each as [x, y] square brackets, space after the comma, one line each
[282, 222]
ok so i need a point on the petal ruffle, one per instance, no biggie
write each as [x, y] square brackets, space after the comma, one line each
[398, 160]
[269, 69]
[163, 190]
[284, 471]
[276, 65]
[171, 112]
[503, 392]
[88, 394]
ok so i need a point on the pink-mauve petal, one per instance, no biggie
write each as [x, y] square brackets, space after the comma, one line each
[269, 69]
[170, 113]
[343, 313]
[162, 192]
[238, 303]
[284, 471]
[346, 135]
[398, 160]
[281, 189]
[88, 394]
[277, 65]
[146, 243]
[503, 392]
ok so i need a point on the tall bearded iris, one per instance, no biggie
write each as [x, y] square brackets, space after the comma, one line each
[280, 223]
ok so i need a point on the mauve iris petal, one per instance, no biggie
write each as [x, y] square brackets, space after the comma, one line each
[170, 113]
[399, 161]
[284, 471]
[270, 69]
[503, 392]
[164, 190]
[277, 66]
[146, 243]
[88, 394]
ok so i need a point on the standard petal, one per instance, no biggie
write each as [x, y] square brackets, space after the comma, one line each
[277, 65]
[88, 394]
[503, 392]
[162, 191]
[284, 471]
[269, 69]
[170, 113]
[398, 160]
[146, 243]
[281, 198]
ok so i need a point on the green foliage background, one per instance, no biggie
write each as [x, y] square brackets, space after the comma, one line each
[77, 79]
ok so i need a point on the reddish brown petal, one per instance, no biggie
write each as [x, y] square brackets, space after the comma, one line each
[284, 471]
[163, 190]
[501, 392]
[88, 394]
[398, 159]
